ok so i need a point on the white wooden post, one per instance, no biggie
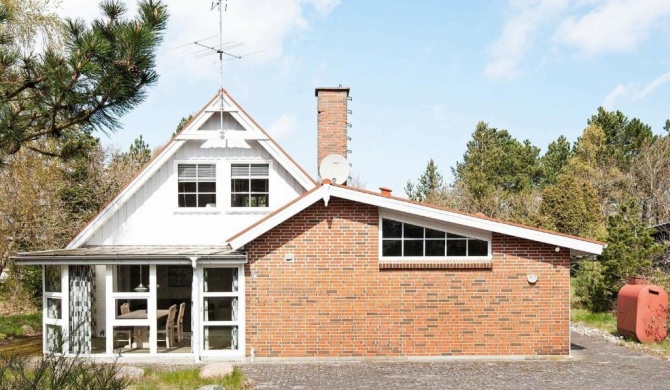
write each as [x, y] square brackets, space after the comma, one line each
[196, 311]
[65, 308]
[110, 310]
[151, 312]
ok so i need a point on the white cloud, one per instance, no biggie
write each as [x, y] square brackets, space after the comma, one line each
[283, 127]
[519, 34]
[632, 92]
[613, 25]
[616, 94]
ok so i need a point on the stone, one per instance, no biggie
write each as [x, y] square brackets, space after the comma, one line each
[212, 387]
[28, 330]
[130, 372]
[216, 370]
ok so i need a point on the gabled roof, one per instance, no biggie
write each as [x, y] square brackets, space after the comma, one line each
[250, 131]
[577, 245]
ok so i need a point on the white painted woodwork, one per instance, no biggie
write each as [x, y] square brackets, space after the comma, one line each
[100, 301]
[214, 122]
[151, 215]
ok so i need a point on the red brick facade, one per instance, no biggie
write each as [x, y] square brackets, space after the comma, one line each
[335, 301]
[331, 122]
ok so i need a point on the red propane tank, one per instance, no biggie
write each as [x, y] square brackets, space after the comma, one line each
[642, 311]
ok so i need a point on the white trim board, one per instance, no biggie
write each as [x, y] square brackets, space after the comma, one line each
[389, 204]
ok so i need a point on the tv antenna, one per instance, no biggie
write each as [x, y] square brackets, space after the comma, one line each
[224, 52]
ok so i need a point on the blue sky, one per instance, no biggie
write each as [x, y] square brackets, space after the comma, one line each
[422, 74]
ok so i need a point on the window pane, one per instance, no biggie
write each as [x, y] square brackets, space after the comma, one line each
[391, 229]
[220, 309]
[259, 185]
[435, 248]
[258, 200]
[187, 200]
[187, 187]
[207, 200]
[239, 200]
[239, 185]
[413, 248]
[413, 231]
[478, 248]
[260, 170]
[207, 187]
[54, 308]
[456, 247]
[239, 170]
[52, 278]
[391, 248]
[430, 233]
[220, 279]
[452, 235]
[206, 172]
[220, 337]
[186, 172]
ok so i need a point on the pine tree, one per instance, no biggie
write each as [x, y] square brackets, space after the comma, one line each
[429, 187]
[630, 246]
[102, 72]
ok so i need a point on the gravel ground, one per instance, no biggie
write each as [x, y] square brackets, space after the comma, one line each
[596, 363]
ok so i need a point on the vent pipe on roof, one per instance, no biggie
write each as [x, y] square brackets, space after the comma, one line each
[331, 122]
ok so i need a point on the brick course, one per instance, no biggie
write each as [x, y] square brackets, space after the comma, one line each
[335, 301]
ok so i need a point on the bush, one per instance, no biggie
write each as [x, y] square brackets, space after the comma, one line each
[57, 372]
[591, 289]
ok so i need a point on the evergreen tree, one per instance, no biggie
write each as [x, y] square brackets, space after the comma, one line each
[101, 73]
[630, 247]
[557, 156]
[497, 170]
[623, 136]
[571, 207]
[429, 187]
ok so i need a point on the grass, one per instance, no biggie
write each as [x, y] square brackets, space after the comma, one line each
[11, 325]
[603, 321]
[607, 322]
[155, 379]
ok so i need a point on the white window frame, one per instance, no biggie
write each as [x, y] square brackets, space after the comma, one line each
[219, 192]
[469, 233]
[63, 295]
[240, 294]
[229, 180]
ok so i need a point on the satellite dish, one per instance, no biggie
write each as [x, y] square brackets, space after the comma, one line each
[335, 168]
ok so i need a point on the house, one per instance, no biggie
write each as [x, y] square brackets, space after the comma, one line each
[270, 263]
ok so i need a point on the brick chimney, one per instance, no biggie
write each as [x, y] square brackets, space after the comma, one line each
[331, 122]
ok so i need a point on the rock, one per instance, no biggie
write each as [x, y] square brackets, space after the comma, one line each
[130, 372]
[212, 387]
[216, 370]
[28, 330]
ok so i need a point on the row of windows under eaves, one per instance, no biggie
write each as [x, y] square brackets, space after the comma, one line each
[401, 239]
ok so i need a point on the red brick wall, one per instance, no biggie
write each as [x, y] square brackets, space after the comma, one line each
[335, 301]
[331, 122]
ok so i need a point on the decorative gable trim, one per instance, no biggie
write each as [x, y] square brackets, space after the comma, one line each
[577, 245]
[190, 131]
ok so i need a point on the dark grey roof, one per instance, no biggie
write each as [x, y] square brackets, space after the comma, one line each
[129, 253]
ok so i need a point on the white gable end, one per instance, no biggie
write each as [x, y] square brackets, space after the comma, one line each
[152, 216]
[148, 212]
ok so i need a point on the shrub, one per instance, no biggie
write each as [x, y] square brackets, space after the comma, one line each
[591, 289]
[57, 372]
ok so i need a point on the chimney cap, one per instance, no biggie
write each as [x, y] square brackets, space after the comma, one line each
[331, 89]
[385, 191]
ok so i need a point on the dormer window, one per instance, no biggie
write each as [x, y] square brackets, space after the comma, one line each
[196, 185]
[250, 185]
[401, 239]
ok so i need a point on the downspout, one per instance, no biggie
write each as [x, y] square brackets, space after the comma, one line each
[195, 311]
